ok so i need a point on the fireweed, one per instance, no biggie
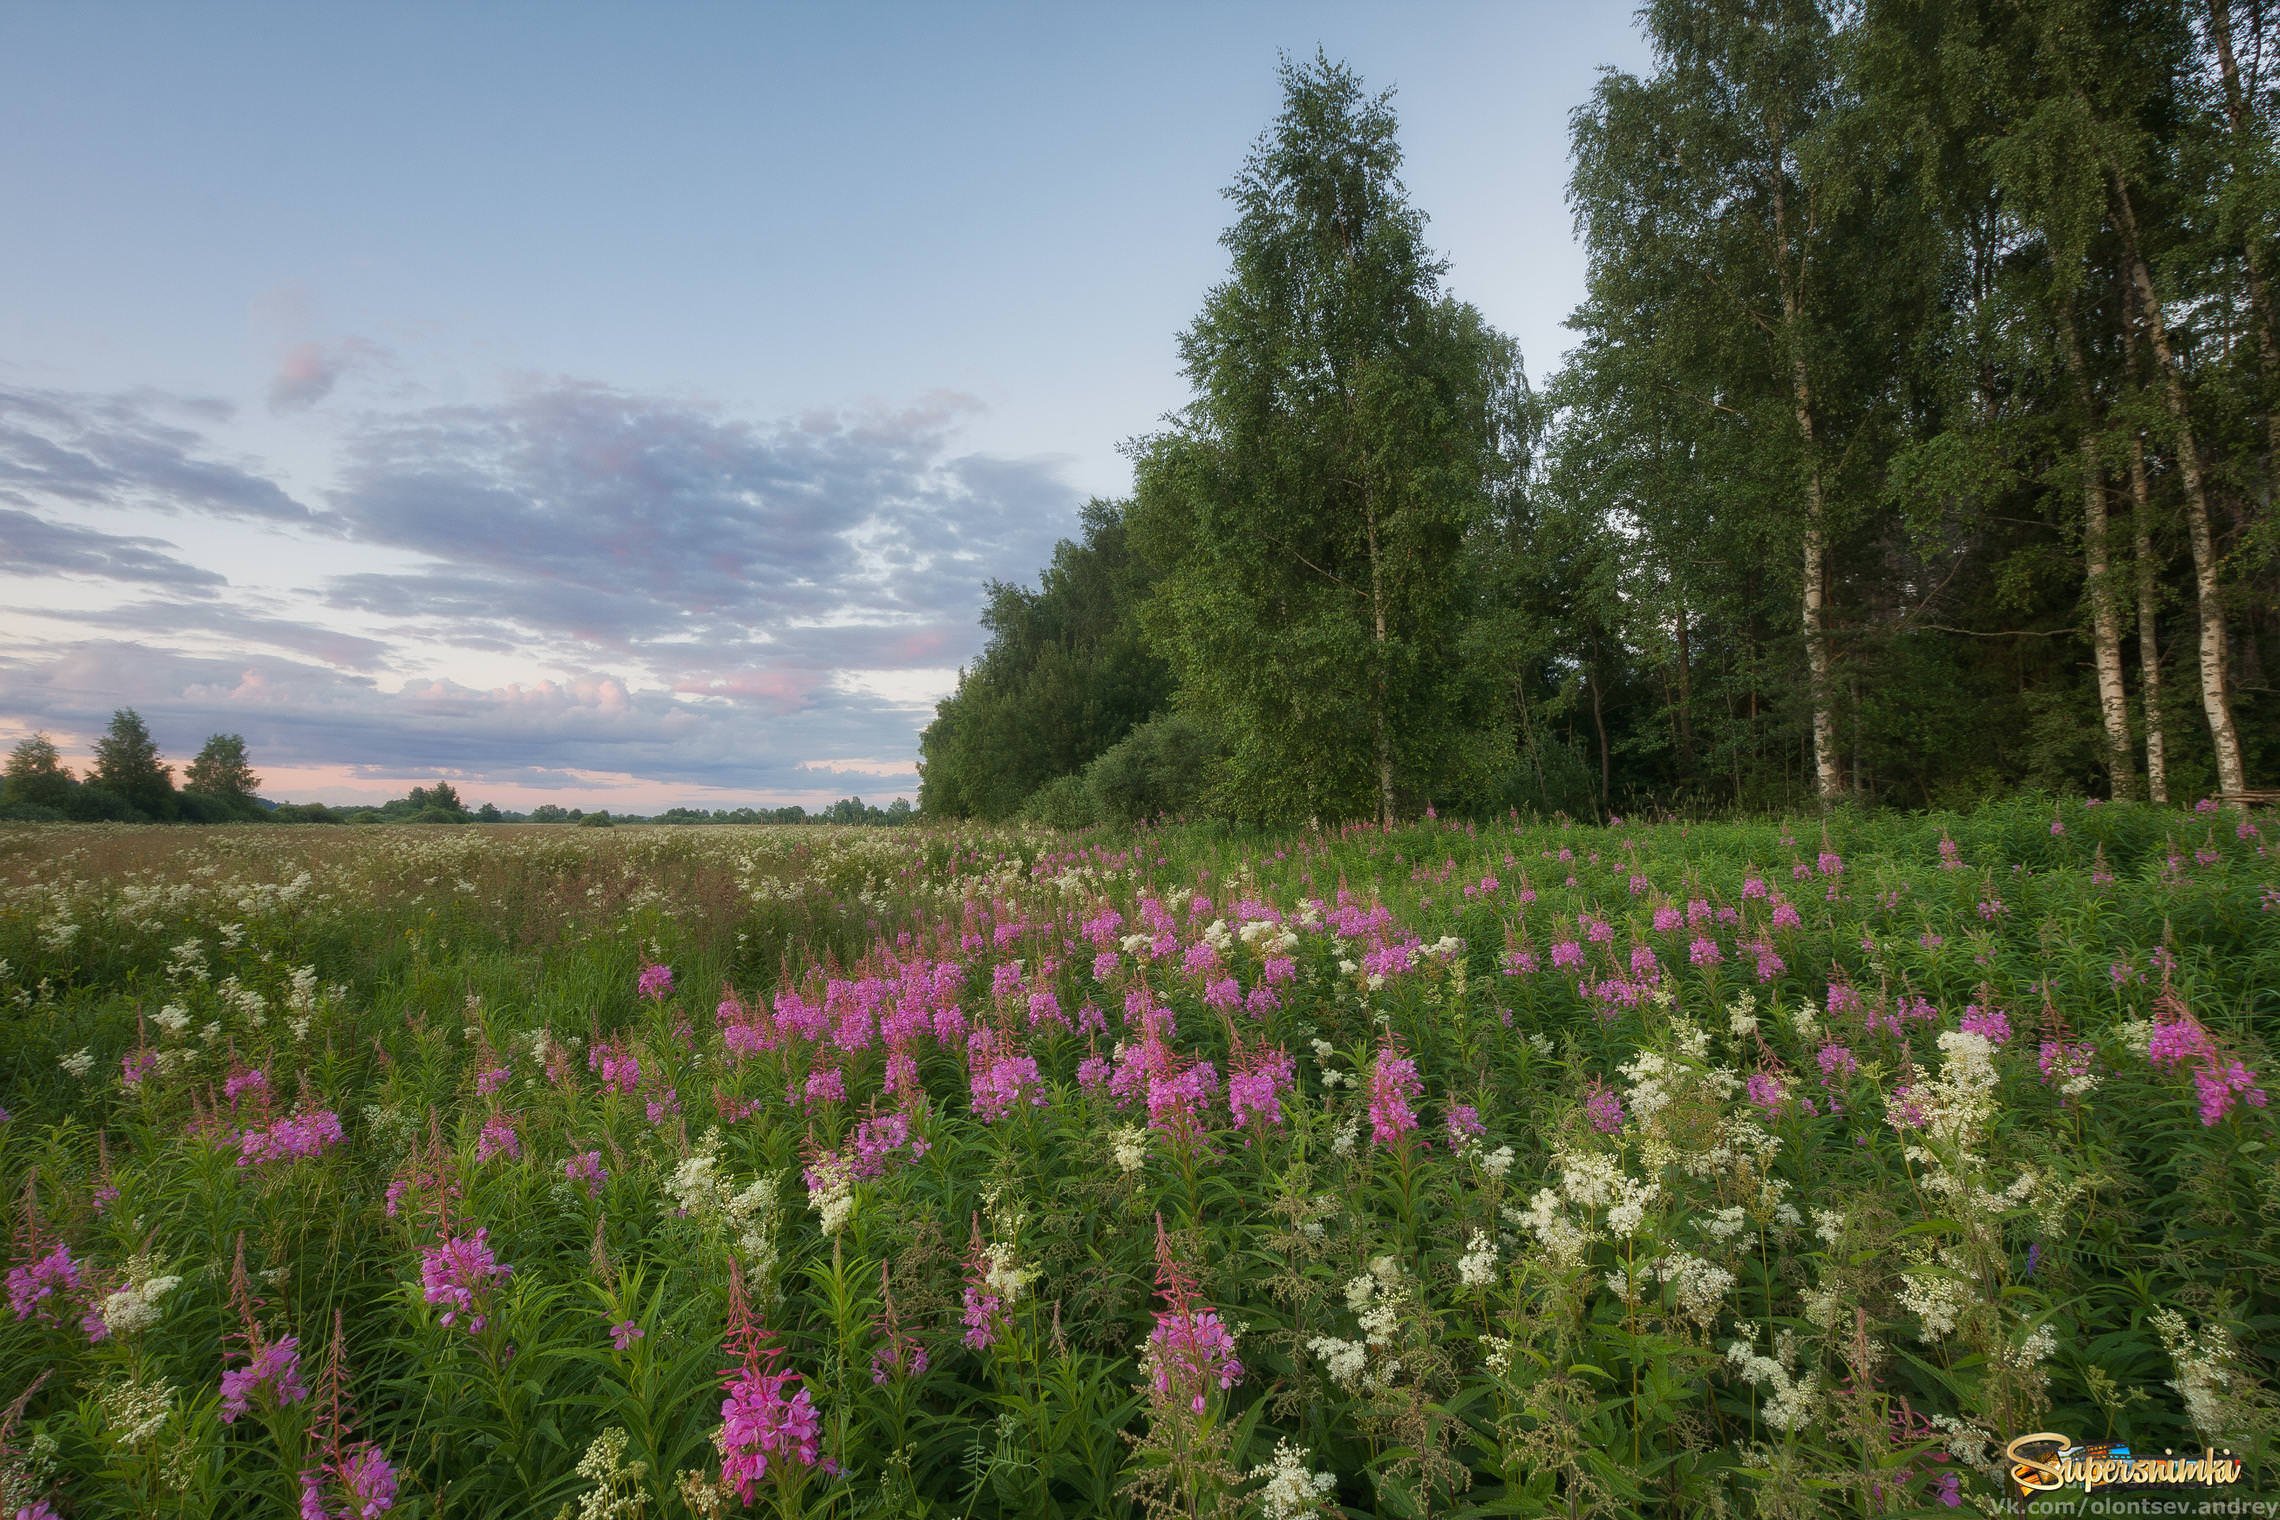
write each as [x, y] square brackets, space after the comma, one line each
[1503, 1162]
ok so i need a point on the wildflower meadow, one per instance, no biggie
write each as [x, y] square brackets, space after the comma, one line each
[1456, 1168]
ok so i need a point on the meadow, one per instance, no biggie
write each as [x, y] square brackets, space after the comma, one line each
[1462, 1169]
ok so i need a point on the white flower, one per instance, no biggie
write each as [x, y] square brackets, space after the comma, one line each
[1477, 1267]
[1497, 1162]
[1130, 1145]
[79, 1063]
[1793, 1396]
[1291, 1490]
[1344, 1360]
[135, 1306]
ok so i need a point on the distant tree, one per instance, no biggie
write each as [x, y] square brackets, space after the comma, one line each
[36, 775]
[441, 796]
[899, 810]
[489, 813]
[220, 770]
[127, 766]
[549, 812]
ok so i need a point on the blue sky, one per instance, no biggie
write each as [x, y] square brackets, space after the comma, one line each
[625, 405]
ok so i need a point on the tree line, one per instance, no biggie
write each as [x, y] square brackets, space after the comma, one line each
[129, 782]
[1918, 443]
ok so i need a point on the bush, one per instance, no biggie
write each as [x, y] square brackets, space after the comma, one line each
[1160, 768]
[92, 802]
[304, 812]
[600, 820]
[1062, 803]
[29, 812]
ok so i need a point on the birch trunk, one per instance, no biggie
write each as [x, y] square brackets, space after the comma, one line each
[2105, 615]
[1383, 741]
[1828, 784]
[2149, 631]
[2216, 700]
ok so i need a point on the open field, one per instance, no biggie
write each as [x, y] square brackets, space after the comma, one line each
[1666, 1169]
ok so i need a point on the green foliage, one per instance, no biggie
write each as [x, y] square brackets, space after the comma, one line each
[1312, 512]
[1713, 1299]
[221, 772]
[36, 776]
[1065, 675]
[127, 767]
[1162, 769]
[1065, 802]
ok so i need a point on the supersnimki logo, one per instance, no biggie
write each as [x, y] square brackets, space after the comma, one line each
[2047, 1462]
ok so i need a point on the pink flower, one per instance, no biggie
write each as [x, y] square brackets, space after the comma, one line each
[1190, 1348]
[301, 1137]
[1603, 1108]
[619, 1068]
[1704, 951]
[1990, 1024]
[360, 1477]
[32, 1283]
[1255, 1087]
[1837, 1064]
[654, 982]
[587, 1169]
[459, 1274]
[624, 1333]
[1394, 1084]
[498, 1139]
[275, 1368]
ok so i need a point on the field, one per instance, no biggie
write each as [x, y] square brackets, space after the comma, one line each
[1656, 1169]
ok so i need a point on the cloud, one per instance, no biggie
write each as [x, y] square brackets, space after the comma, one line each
[234, 625]
[115, 451]
[698, 598]
[307, 372]
[32, 545]
[558, 734]
[642, 526]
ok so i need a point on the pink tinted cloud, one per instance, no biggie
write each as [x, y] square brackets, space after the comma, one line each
[779, 690]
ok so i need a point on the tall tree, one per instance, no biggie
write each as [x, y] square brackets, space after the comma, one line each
[36, 774]
[1316, 510]
[127, 765]
[220, 770]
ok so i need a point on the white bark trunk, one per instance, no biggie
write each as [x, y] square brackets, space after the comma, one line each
[2216, 700]
[2149, 631]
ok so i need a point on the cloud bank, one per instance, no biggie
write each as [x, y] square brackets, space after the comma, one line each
[681, 597]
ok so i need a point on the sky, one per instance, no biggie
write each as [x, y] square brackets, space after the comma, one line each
[625, 405]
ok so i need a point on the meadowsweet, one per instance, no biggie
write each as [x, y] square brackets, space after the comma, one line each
[1792, 1397]
[135, 1306]
[831, 1192]
[1289, 1491]
[1477, 1267]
